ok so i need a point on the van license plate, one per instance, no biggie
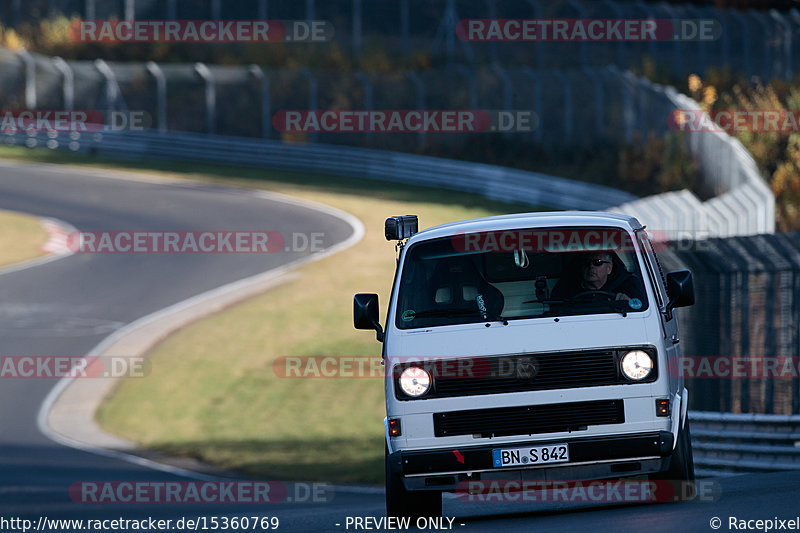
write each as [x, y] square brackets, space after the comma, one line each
[531, 455]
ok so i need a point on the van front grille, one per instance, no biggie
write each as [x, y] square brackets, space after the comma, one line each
[529, 420]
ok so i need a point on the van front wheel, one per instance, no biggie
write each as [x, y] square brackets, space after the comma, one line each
[414, 504]
[680, 473]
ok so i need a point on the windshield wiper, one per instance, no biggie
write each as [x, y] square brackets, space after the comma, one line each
[611, 303]
[445, 312]
[457, 312]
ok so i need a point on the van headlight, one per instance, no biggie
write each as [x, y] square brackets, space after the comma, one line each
[415, 381]
[636, 365]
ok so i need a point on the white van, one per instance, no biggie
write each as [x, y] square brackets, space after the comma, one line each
[531, 346]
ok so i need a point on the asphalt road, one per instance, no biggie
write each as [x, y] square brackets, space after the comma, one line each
[68, 306]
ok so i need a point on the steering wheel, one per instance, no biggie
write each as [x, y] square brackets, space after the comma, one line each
[607, 294]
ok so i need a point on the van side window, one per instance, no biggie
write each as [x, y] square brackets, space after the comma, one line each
[651, 261]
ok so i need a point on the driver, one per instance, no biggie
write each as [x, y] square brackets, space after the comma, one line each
[599, 272]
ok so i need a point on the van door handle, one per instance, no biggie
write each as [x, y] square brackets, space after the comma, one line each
[675, 339]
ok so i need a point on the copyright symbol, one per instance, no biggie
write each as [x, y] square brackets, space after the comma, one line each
[715, 523]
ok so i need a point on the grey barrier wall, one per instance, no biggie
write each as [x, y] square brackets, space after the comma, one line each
[757, 43]
[571, 107]
[742, 203]
[497, 183]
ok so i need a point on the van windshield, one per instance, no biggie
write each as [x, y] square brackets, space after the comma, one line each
[526, 273]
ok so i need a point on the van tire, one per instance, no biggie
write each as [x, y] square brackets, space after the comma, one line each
[401, 502]
[680, 473]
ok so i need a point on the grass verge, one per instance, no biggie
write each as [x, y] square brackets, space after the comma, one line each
[21, 238]
[212, 393]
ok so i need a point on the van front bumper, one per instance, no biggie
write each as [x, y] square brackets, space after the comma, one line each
[590, 458]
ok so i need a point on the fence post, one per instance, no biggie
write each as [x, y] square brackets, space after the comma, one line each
[211, 96]
[537, 102]
[368, 96]
[620, 45]
[262, 9]
[113, 94]
[420, 90]
[507, 90]
[68, 85]
[405, 26]
[473, 86]
[130, 9]
[263, 80]
[312, 95]
[745, 40]
[309, 11]
[161, 94]
[172, 9]
[89, 10]
[567, 103]
[356, 28]
[787, 43]
[30, 78]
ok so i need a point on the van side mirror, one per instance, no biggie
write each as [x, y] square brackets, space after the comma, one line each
[365, 313]
[680, 289]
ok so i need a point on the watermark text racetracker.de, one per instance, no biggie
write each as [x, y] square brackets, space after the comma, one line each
[77, 121]
[405, 121]
[588, 30]
[585, 491]
[194, 242]
[199, 492]
[201, 31]
[62, 366]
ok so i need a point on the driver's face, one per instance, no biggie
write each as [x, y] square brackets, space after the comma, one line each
[596, 269]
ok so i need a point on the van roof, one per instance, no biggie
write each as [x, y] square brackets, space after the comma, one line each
[531, 220]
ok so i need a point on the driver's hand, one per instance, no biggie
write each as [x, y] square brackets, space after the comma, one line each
[621, 296]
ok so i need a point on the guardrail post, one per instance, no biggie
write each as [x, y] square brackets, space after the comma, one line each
[30, 78]
[161, 94]
[68, 85]
[266, 119]
[211, 96]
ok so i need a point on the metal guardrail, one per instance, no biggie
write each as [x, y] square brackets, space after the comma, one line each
[726, 444]
[496, 183]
